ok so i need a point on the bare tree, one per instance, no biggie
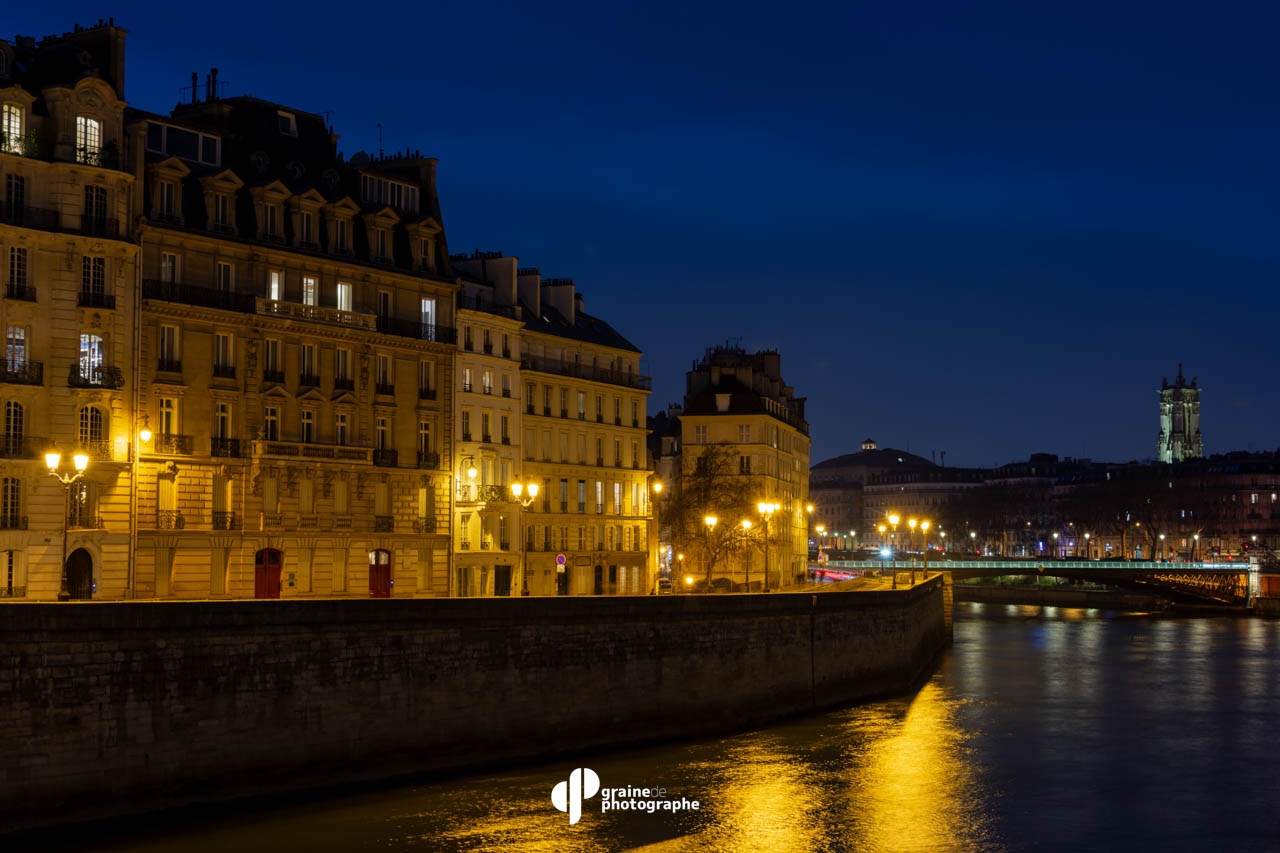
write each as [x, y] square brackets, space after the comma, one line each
[710, 487]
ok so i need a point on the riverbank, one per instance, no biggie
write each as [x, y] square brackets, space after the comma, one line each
[109, 709]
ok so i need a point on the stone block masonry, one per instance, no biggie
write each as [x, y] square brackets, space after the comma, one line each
[110, 708]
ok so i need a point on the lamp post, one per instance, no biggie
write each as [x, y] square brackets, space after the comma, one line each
[656, 486]
[52, 460]
[821, 530]
[710, 522]
[1195, 546]
[524, 494]
[746, 564]
[924, 534]
[1162, 547]
[767, 510]
[1088, 552]
[893, 537]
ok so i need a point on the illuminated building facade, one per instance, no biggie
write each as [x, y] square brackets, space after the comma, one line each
[1179, 421]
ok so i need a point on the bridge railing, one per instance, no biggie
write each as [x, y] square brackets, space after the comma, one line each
[1050, 566]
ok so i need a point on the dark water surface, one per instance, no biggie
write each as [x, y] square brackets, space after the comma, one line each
[1042, 728]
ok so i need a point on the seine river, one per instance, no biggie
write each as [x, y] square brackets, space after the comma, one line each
[1042, 728]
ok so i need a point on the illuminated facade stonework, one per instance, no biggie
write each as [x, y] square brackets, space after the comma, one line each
[1179, 421]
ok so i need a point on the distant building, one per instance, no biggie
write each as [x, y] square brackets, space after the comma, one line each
[1179, 421]
[837, 492]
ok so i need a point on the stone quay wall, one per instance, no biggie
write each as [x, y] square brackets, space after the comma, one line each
[113, 708]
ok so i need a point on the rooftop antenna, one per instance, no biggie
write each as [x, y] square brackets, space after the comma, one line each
[379, 140]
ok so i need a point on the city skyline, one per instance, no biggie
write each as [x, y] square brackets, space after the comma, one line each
[949, 256]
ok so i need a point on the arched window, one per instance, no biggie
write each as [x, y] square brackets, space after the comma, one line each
[14, 423]
[92, 426]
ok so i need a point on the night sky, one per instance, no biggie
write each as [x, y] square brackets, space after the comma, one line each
[989, 230]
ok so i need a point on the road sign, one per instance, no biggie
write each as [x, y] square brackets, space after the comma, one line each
[560, 561]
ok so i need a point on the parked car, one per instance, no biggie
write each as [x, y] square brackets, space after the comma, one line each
[664, 586]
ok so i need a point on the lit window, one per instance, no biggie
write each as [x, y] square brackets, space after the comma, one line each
[88, 140]
[11, 129]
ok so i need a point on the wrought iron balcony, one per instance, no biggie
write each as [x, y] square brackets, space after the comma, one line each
[492, 493]
[84, 376]
[13, 522]
[428, 459]
[385, 388]
[30, 217]
[224, 371]
[98, 450]
[418, 330]
[100, 226]
[170, 443]
[426, 393]
[21, 372]
[385, 458]
[424, 525]
[94, 299]
[344, 383]
[224, 447]
[583, 371]
[200, 297]
[13, 592]
[308, 380]
[169, 365]
[169, 519]
[384, 523]
[24, 292]
[464, 545]
[226, 521]
[82, 519]
[269, 375]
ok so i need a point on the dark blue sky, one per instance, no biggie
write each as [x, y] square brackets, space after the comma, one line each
[987, 228]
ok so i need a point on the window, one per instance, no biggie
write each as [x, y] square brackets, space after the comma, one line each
[93, 280]
[382, 254]
[306, 237]
[14, 428]
[223, 352]
[169, 354]
[424, 437]
[270, 230]
[88, 140]
[168, 416]
[168, 267]
[17, 271]
[287, 123]
[466, 379]
[343, 292]
[599, 409]
[226, 278]
[485, 434]
[467, 343]
[486, 382]
[91, 425]
[167, 205]
[92, 356]
[426, 371]
[11, 128]
[342, 365]
[307, 424]
[744, 464]
[582, 499]
[564, 402]
[700, 435]
[307, 363]
[274, 285]
[635, 454]
[635, 413]
[617, 410]
[340, 428]
[10, 503]
[221, 212]
[382, 434]
[15, 347]
[222, 420]
[271, 423]
[384, 371]
[95, 209]
[466, 425]
[384, 303]
[183, 143]
[340, 235]
[617, 499]
[506, 385]
[617, 452]
[308, 290]
[506, 429]
[744, 433]
[271, 356]
[582, 406]
[15, 193]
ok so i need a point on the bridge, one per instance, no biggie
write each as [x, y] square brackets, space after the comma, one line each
[1202, 583]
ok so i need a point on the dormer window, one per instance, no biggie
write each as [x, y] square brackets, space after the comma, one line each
[341, 243]
[221, 212]
[88, 140]
[306, 235]
[288, 124]
[270, 223]
[11, 126]
[382, 254]
[167, 199]
[428, 255]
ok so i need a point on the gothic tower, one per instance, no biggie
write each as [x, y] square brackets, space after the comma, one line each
[1179, 421]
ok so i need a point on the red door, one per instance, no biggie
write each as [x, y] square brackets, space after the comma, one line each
[266, 574]
[380, 574]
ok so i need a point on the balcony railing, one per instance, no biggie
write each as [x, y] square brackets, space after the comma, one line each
[169, 443]
[21, 372]
[585, 371]
[100, 226]
[170, 519]
[24, 292]
[313, 313]
[308, 380]
[424, 525]
[224, 447]
[83, 376]
[481, 303]
[80, 519]
[492, 493]
[22, 447]
[385, 388]
[30, 217]
[269, 375]
[307, 450]
[13, 522]
[385, 458]
[428, 459]
[426, 393]
[200, 297]
[344, 383]
[169, 365]
[384, 523]
[13, 592]
[225, 521]
[98, 449]
[417, 330]
[94, 299]
[464, 545]
[224, 371]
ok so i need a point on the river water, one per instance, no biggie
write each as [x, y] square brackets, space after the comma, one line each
[1041, 728]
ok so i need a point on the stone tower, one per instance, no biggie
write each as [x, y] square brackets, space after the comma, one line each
[1179, 421]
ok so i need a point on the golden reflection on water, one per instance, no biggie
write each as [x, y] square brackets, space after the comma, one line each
[915, 789]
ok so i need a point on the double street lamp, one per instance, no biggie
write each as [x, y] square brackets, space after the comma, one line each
[524, 494]
[767, 510]
[53, 459]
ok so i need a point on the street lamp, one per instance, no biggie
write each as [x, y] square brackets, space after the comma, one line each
[767, 510]
[524, 494]
[746, 564]
[53, 459]
[924, 534]
[1195, 546]
[710, 521]
[1056, 555]
[1088, 552]
[893, 522]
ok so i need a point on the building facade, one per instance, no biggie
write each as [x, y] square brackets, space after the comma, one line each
[738, 403]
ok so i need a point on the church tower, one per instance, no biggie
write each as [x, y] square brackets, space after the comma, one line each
[1179, 421]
